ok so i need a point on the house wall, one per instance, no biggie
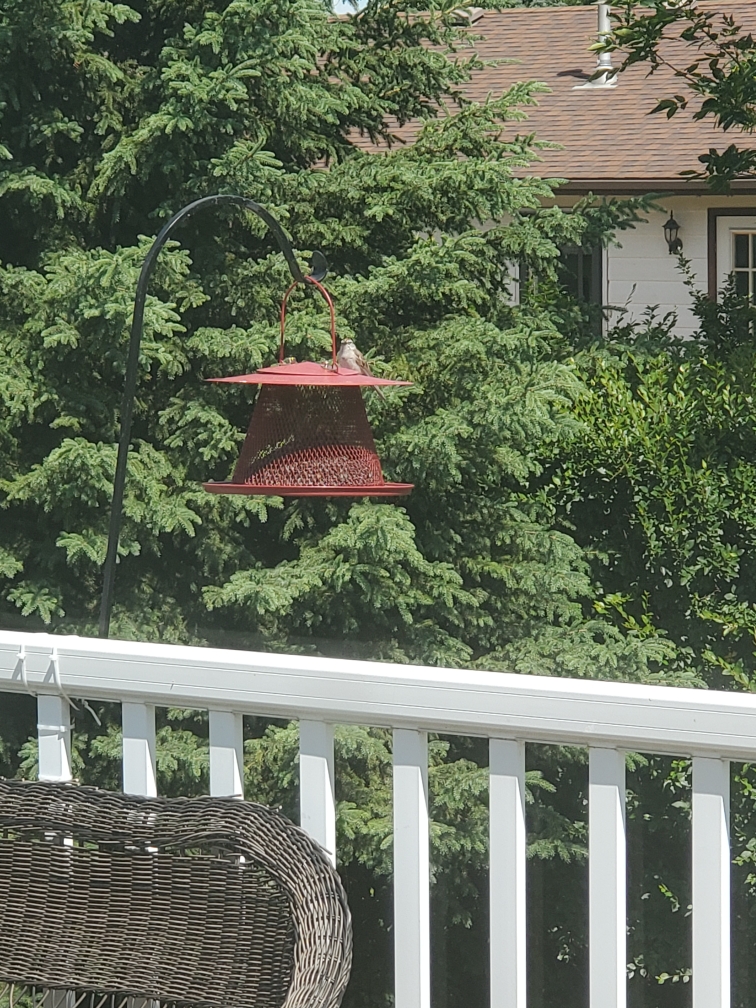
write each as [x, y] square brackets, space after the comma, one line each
[641, 272]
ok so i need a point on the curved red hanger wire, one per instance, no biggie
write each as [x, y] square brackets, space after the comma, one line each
[329, 301]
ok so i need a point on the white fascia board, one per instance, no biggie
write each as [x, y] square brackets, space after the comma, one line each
[657, 719]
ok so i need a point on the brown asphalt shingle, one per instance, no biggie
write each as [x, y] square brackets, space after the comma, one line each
[607, 134]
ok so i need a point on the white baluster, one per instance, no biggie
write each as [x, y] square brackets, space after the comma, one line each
[507, 855]
[411, 870]
[139, 772]
[54, 737]
[138, 724]
[226, 754]
[711, 883]
[58, 998]
[317, 803]
[607, 879]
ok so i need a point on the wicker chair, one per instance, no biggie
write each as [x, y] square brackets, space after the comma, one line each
[201, 902]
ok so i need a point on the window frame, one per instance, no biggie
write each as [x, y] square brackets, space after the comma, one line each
[722, 221]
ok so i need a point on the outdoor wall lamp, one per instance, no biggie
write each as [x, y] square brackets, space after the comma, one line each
[671, 229]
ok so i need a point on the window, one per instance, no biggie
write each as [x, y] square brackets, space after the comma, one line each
[580, 273]
[729, 242]
[744, 262]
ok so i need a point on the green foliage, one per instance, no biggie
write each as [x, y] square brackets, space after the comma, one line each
[659, 488]
[474, 567]
[664, 478]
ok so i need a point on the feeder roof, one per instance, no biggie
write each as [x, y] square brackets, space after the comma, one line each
[307, 373]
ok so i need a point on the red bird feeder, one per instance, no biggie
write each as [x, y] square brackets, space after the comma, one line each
[309, 434]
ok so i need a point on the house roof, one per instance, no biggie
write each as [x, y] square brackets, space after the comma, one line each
[608, 139]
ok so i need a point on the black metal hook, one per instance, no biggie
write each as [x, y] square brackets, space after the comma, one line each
[319, 268]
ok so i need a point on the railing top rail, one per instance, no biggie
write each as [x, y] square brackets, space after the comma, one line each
[657, 719]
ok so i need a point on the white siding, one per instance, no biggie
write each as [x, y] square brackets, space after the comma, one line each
[641, 272]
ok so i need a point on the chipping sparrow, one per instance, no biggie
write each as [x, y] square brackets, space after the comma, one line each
[350, 357]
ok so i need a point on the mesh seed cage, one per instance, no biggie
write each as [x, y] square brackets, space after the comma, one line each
[309, 434]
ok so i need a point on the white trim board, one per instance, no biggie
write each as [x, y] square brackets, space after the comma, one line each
[499, 705]
[725, 227]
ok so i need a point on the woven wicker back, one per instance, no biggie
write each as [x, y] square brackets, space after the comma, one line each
[206, 902]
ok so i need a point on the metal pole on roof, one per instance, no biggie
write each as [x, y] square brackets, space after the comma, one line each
[604, 75]
[604, 61]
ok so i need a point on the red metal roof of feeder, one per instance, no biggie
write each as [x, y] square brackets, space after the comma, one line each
[307, 373]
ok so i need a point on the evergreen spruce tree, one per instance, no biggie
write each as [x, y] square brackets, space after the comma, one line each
[113, 116]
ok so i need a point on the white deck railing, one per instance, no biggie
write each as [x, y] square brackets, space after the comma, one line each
[609, 718]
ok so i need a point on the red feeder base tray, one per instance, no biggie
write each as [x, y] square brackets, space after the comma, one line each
[364, 490]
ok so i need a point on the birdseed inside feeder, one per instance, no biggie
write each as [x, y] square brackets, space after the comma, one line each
[309, 434]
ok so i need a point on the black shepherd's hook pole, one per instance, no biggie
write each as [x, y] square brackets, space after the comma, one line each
[132, 365]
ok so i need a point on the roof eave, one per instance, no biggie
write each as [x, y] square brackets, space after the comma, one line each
[634, 186]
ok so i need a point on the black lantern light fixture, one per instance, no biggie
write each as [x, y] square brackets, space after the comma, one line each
[671, 229]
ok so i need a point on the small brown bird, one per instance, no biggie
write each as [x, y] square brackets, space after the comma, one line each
[349, 357]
